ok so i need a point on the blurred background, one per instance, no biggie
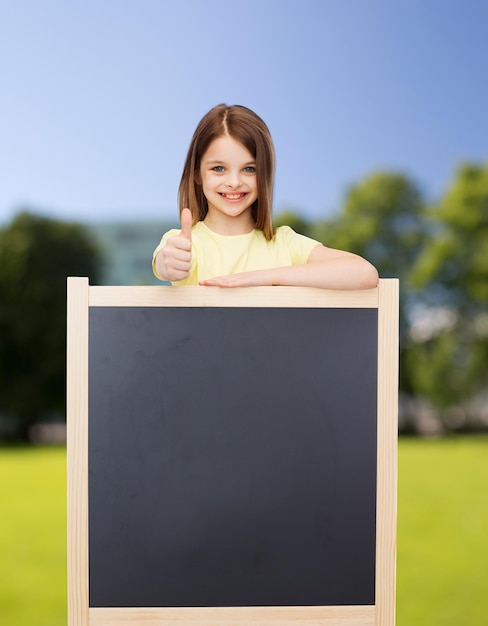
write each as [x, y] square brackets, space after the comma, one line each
[378, 114]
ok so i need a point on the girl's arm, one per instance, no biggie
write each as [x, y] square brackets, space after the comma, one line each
[326, 268]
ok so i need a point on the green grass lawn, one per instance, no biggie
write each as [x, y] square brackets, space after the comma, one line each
[33, 537]
[442, 528]
[442, 567]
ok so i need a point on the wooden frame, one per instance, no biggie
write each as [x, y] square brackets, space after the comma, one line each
[81, 296]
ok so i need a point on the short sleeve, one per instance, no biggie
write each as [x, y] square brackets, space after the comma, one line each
[299, 246]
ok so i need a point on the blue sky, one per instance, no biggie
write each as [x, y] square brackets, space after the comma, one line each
[99, 98]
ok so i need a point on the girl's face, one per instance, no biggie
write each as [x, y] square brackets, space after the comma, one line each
[228, 177]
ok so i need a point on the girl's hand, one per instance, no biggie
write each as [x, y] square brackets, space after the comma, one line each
[258, 278]
[174, 260]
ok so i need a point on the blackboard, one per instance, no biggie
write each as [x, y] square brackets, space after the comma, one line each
[232, 455]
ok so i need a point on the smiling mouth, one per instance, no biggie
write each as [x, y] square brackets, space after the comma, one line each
[233, 196]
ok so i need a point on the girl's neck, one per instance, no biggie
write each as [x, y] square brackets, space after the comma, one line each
[223, 225]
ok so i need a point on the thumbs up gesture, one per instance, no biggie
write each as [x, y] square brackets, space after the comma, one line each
[176, 254]
[186, 220]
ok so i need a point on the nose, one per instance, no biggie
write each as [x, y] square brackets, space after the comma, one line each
[233, 178]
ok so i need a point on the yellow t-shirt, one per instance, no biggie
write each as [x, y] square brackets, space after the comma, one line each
[220, 255]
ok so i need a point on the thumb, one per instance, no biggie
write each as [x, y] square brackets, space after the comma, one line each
[186, 223]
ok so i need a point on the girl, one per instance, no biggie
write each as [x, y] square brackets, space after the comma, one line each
[226, 237]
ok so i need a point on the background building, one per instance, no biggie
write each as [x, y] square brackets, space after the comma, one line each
[127, 248]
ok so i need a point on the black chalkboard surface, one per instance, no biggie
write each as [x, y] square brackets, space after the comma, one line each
[232, 456]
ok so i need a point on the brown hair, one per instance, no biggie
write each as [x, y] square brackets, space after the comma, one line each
[247, 128]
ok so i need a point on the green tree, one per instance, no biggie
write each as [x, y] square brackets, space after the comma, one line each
[36, 256]
[450, 359]
[455, 263]
[294, 220]
[382, 219]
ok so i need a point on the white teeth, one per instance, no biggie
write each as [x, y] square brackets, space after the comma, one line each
[234, 196]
